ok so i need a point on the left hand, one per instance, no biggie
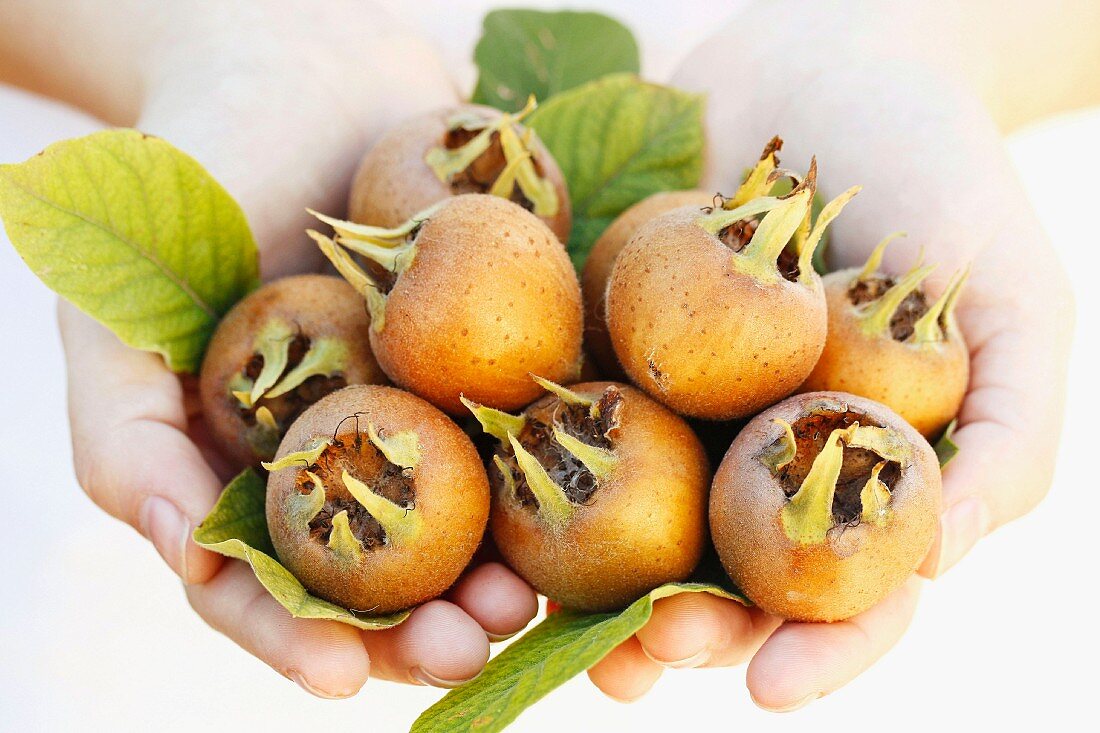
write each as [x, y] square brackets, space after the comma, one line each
[931, 163]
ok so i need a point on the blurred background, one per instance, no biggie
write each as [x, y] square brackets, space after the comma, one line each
[96, 633]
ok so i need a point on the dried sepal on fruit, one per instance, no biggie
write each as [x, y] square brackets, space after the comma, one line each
[719, 314]
[889, 342]
[376, 501]
[279, 350]
[599, 493]
[824, 504]
[467, 297]
[466, 149]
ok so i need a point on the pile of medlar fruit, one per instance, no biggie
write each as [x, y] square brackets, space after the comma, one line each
[457, 323]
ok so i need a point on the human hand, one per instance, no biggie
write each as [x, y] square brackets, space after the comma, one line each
[931, 162]
[279, 107]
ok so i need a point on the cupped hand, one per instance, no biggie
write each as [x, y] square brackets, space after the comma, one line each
[931, 162]
[278, 108]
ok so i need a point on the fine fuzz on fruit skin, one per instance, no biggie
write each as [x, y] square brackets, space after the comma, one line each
[599, 494]
[279, 350]
[719, 314]
[425, 159]
[887, 342]
[376, 500]
[468, 298]
[597, 268]
[823, 505]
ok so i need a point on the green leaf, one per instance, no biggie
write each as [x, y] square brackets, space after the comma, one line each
[564, 645]
[617, 141]
[134, 233]
[945, 447]
[524, 52]
[237, 527]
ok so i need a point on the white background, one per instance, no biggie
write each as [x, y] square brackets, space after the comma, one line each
[95, 633]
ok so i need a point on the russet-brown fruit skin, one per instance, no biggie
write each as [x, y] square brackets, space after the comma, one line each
[451, 491]
[393, 183]
[490, 298]
[858, 565]
[699, 336]
[645, 525]
[925, 384]
[320, 306]
[597, 268]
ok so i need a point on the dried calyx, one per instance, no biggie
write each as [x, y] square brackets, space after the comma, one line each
[555, 455]
[772, 236]
[287, 373]
[838, 469]
[479, 155]
[898, 308]
[356, 495]
[385, 254]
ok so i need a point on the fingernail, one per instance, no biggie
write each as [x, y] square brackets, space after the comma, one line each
[494, 638]
[421, 677]
[299, 680]
[786, 708]
[164, 526]
[960, 529]
[698, 659]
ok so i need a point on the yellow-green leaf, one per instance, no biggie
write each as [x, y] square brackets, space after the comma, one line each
[136, 234]
[617, 141]
[237, 527]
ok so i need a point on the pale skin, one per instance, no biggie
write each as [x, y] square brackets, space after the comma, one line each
[905, 102]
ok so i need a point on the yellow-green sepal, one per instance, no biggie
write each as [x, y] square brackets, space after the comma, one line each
[237, 527]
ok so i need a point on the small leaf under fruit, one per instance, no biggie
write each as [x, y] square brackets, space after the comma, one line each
[550, 654]
[237, 527]
[946, 448]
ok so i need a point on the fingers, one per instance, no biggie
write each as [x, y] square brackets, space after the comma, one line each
[701, 630]
[1008, 439]
[130, 449]
[626, 673]
[497, 599]
[326, 658]
[801, 662]
[685, 630]
[438, 645]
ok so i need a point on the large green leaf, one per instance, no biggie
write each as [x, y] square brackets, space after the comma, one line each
[547, 656]
[237, 527]
[136, 234]
[524, 52]
[617, 141]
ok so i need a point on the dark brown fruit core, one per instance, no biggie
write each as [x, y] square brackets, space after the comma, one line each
[564, 468]
[480, 175]
[287, 407]
[811, 433]
[737, 235]
[361, 459]
[908, 313]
